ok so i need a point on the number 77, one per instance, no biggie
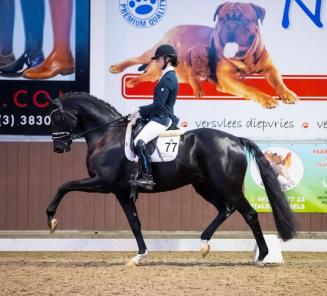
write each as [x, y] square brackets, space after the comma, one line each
[168, 145]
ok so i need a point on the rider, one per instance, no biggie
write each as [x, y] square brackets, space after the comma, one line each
[160, 114]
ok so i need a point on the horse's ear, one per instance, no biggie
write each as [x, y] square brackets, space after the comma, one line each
[53, 102]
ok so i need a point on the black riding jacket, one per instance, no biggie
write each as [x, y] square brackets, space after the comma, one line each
[162, 108]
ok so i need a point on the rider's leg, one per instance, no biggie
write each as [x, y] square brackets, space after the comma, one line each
[144, 160]
[148, 133]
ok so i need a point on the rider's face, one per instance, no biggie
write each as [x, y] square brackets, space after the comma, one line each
[160, 62]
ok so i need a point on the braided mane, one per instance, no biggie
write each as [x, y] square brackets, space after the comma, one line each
[91, 99]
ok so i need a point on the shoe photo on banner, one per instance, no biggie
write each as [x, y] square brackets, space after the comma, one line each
[33, 18]
[60, 60]
[6, 59]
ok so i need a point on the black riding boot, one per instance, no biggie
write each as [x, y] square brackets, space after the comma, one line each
[146, 180]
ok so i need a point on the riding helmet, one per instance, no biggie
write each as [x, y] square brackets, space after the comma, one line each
[165, 50]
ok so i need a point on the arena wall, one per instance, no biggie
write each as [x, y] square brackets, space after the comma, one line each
[30, 174]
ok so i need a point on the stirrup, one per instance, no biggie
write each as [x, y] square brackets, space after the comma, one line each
[147, 184]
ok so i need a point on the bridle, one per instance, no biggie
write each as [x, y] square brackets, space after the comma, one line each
[66, 137]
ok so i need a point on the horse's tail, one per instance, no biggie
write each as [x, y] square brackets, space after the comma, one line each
[284, 218]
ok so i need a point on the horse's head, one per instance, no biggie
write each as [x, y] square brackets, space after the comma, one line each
[63, 125]
[78, 115]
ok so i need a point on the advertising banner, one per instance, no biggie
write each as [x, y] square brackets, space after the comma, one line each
[44, 52]
[254, 68]
[302, 172]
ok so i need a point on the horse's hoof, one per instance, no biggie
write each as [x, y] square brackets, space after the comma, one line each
[132, 263]
[205, 250]
[53, 225]
[135, 261]
[259, 263]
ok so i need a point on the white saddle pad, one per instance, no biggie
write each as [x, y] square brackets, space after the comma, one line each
[167, 146]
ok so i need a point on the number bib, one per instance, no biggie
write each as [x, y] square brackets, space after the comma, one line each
[166, 150]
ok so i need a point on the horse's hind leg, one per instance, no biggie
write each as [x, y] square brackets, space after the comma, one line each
[224, 211]
[86, 185]
[131, 213]
[241, 204]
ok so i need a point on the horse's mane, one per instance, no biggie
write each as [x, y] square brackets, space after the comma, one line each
[92, 99]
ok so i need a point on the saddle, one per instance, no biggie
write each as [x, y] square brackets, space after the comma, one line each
[162, 148]
[172, 131]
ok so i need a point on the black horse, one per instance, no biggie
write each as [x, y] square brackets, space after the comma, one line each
[214, 162]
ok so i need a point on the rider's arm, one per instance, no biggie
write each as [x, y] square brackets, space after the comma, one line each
[159, 101]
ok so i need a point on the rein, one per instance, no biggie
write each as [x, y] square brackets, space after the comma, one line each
[69, 134]
[82, 135]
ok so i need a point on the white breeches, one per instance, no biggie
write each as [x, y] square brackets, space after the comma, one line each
[151, 130]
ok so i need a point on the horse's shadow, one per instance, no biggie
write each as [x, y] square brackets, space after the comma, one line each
[121, 263]
[194, 264]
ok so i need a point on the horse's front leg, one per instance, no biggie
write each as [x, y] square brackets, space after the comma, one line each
[133, 220]
[86, 185]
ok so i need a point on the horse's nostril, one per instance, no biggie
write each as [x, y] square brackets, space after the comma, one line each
[58, 150]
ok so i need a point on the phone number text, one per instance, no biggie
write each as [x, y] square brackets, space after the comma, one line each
[23, 120]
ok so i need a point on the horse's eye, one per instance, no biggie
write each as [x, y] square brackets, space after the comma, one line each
[56, 117]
